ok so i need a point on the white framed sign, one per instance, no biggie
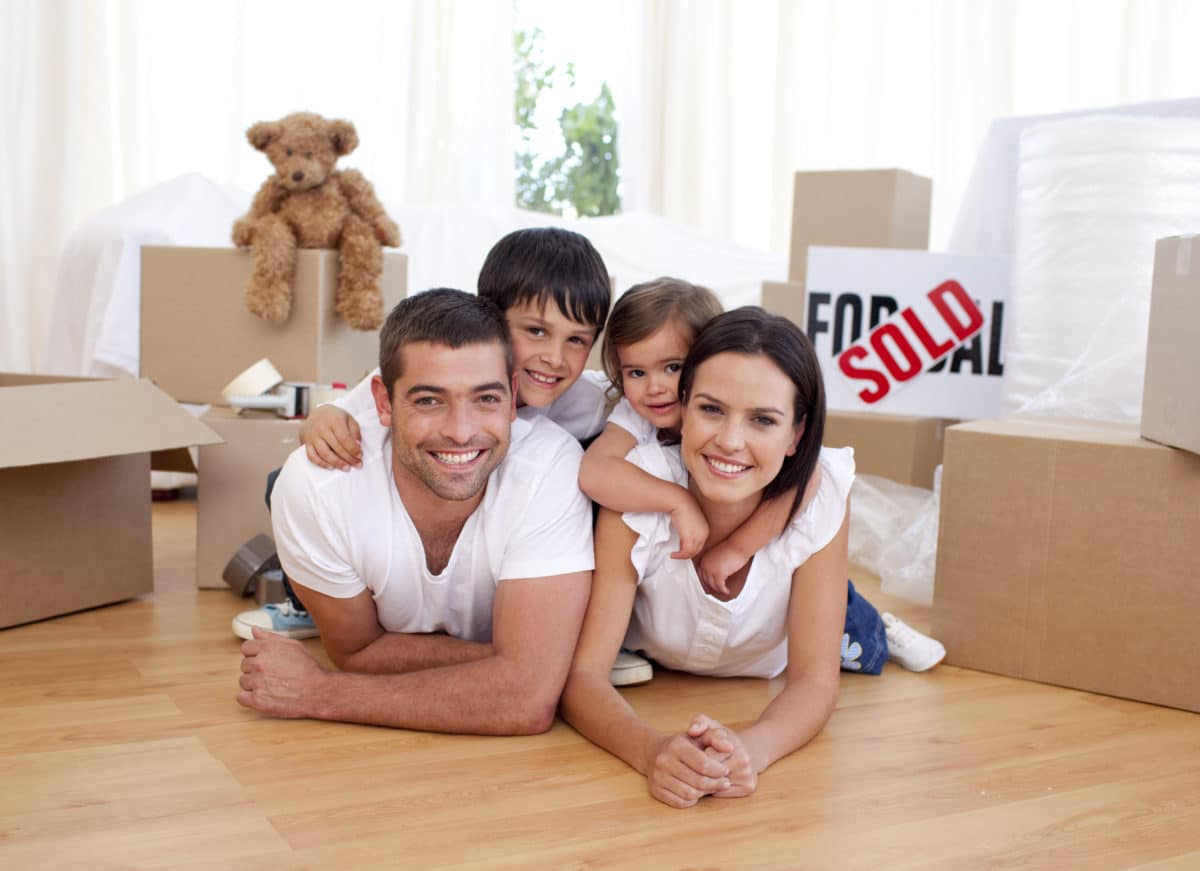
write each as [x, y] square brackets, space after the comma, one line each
[908, 332]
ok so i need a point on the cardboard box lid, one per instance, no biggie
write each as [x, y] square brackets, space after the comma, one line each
[63, 421]
[1058, 429]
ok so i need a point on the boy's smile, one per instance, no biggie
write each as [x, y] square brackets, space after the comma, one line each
[549, 348]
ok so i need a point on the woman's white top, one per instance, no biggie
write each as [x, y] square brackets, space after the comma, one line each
[675, 622]
[642, 430]
[580, 410]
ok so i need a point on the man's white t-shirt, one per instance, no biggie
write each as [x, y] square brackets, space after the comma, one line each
[580, 410]
[340, 533]
[678, 624]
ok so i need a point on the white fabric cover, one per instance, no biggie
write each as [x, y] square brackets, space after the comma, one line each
[1094, 195]
[679, 625]
[623, 415]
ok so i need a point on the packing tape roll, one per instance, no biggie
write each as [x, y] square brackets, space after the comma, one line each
[258, 379]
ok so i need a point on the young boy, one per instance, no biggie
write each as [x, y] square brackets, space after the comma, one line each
[553, 288]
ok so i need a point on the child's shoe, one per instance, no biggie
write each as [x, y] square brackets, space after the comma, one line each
[630, 669]
[909, 648]
[283, 619]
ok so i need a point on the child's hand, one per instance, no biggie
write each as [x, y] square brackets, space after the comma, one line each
[689, 522]
[717, 565]
[332, 439]
[725, 745]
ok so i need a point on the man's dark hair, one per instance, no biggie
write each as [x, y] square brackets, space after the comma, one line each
[752, 331]
[445, 317]
[543, 263]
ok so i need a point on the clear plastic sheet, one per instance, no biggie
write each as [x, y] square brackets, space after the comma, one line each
[1094, 194]
[893, 533]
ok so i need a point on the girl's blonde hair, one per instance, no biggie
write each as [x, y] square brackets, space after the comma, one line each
[645, 308]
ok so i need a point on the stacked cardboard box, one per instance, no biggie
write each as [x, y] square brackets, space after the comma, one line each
[74, 490]
[885, 208]
[1067, 550]
[197, 335]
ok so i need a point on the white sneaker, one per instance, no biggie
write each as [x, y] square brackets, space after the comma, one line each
[283, 619]
[908, 648]
[630, 669]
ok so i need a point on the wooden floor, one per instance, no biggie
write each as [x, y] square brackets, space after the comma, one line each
[121, 746]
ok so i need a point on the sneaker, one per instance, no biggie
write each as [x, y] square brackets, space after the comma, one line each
[630, 669]
[283, 619]
[908, 648]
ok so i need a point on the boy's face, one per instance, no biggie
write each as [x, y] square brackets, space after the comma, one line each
[550, 350]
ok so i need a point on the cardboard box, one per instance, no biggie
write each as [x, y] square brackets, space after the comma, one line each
[869, 208]
[785, 298]
[75, 490]
[1171, 396]
[196, 333]
[230, 505]
[904, 449]
[1067, 554]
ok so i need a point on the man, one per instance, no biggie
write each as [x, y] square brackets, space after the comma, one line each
[449, 575]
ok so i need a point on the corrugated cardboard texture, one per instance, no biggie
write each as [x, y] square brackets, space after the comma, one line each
[196, 333]
[874, 208]
[904, 449]
[1171, 397]
[233, 479]
[73, 536]
[784, 298]
[63, 421]
[1068, 554]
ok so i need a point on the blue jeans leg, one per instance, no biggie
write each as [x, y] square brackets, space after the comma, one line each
[272, 477]
[864, 642]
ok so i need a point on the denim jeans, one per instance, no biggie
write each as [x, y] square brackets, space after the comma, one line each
[864, 642]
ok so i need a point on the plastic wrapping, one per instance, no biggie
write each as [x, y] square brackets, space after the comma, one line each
[893, 533]
[1094, 194]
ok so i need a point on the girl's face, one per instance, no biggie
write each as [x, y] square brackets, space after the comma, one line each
[738, 426]
[650, 374]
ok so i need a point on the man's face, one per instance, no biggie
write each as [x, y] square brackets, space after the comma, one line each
[449, 415]
[549, 348]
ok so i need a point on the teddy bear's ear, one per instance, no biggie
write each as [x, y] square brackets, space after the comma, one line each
[264, 133]
[343, 136]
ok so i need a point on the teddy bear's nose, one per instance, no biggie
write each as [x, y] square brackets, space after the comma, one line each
[297, 176]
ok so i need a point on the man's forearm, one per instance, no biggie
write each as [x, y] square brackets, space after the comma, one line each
[398, 653]
[488, 696]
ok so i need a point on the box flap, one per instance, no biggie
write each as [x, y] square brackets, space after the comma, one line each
[81, 420]
[1057, 429]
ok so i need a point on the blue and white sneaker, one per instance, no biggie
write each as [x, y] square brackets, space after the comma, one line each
[283, 619]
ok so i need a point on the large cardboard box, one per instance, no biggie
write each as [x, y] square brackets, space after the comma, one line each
[197, 334]
[75, 464]
[905, 449]
[867, 208]
[1067, 554]
[230, 506]
[784, 298]
[1171, 396]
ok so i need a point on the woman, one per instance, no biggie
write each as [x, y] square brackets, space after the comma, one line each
[754, 414]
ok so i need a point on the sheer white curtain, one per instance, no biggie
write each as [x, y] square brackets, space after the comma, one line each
[102, 99]
[732, 97]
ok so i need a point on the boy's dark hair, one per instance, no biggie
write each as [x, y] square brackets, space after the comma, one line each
[443, 316]
[750, 330]
[543, 263]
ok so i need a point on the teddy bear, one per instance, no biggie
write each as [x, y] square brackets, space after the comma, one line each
[309, 204]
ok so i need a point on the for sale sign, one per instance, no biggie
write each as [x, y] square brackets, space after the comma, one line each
[908, 332]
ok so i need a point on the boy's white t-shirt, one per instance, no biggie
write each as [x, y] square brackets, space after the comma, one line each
[580, 410]
[675, 622]
[642, 430]
[340, 533]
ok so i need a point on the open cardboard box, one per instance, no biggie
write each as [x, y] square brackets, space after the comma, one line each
[75, 464]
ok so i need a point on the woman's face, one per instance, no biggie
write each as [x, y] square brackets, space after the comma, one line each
[738, 425]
